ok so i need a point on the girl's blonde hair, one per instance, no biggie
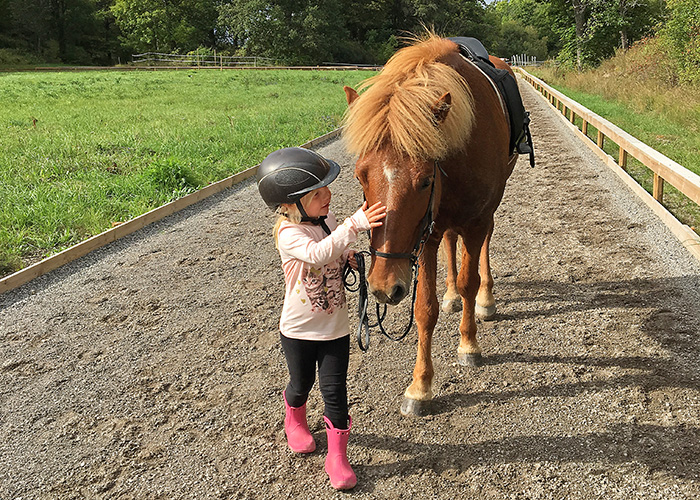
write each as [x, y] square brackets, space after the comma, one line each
[288, 212]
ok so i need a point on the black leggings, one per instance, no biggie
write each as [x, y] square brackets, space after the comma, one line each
[332, 358]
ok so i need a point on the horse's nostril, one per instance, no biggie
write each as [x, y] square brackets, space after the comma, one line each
[397, 293]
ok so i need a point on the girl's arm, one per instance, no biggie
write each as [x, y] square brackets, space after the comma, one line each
[294, 241]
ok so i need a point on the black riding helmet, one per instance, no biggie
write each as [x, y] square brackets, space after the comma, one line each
[287, 174]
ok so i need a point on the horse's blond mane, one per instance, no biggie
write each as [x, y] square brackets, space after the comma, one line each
[396, 108]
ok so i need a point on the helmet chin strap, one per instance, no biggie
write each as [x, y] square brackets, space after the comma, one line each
[317, 221]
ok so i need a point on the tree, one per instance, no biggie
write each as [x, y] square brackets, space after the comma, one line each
[293, 31]
[165, 25]
[514, 38]
[28, 27]
[628, 20]
[55, 30]
[580, 10]
[525, 26]
[593, 29]
[682, 35]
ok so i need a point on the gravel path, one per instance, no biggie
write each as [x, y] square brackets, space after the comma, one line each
[151, 368]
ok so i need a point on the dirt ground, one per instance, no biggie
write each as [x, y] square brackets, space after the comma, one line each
[152, 369]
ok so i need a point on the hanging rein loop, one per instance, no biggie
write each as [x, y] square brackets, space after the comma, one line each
[358, 283]
[355, 281]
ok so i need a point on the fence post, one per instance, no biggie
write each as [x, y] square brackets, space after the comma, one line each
[658, 188]
[622, 161]
[601, 140]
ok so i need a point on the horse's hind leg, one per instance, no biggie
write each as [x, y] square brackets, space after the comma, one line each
[485, 302]
[451, 301]
[468, 283]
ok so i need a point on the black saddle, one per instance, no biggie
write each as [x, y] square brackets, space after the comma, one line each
[520, 138]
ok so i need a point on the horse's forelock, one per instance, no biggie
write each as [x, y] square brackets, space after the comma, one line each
[396, 107]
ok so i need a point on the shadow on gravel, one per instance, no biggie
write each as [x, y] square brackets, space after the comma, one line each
[652, 374]
[583, 296]
[672, 450]
[657, 298]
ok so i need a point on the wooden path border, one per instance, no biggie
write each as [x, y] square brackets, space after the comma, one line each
[663, 168]
[83, 248]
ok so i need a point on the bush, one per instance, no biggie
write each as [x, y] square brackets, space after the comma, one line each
[16, 58]
[648, 60]
[681, 34]
[171, 175]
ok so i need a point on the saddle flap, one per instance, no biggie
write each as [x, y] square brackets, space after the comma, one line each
[520, 139]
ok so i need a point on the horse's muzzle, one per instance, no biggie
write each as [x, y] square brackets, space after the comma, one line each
[392, 296]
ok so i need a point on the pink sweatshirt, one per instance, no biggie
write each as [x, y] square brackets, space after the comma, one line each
[314, 300]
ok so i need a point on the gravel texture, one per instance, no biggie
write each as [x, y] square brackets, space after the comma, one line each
[151, 368]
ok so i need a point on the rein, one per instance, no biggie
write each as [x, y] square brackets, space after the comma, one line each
[359, 282]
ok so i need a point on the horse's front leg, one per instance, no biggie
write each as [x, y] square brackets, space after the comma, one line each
[451, 301]
[419, 395]
[468, 283]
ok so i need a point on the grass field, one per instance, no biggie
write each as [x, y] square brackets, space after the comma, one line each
[79, 151]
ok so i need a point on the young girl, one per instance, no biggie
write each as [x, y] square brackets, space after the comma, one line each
[314, 324]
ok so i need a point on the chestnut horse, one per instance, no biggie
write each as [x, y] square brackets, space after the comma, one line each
[432, 138]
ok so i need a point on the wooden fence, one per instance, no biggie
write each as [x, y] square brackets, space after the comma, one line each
[663, 168]
[159, 60]
[198, 60]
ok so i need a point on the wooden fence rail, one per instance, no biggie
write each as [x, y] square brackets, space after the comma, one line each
[663, 168]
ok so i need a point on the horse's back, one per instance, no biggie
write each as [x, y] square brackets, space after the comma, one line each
[501, 64]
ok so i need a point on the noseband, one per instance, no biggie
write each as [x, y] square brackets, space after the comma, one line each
[427, 224]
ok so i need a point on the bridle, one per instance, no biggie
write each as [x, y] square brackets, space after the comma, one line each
[359, 284]
[427, 224]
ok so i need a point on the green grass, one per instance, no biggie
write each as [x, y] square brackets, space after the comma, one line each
[79, 151]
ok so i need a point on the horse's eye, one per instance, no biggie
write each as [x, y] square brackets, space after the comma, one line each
[426, 183]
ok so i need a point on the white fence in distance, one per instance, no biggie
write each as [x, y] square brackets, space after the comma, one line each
[201, 60]
[524, 60]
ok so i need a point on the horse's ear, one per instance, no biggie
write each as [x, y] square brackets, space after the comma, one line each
[350, 94]
[442, 107]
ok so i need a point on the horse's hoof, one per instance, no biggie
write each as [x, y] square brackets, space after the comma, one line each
[471, 360]
[416, 407]
[485, 313]
[452, 305]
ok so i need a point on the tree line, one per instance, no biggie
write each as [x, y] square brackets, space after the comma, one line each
[106, 32]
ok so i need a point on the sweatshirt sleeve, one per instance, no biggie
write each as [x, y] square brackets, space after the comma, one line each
[298, 244]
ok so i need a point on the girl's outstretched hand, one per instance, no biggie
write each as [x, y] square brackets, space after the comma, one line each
[375, 213]
[352, 260]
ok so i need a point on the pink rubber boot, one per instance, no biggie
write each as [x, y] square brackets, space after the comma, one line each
[299, 437]
[337, 465]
